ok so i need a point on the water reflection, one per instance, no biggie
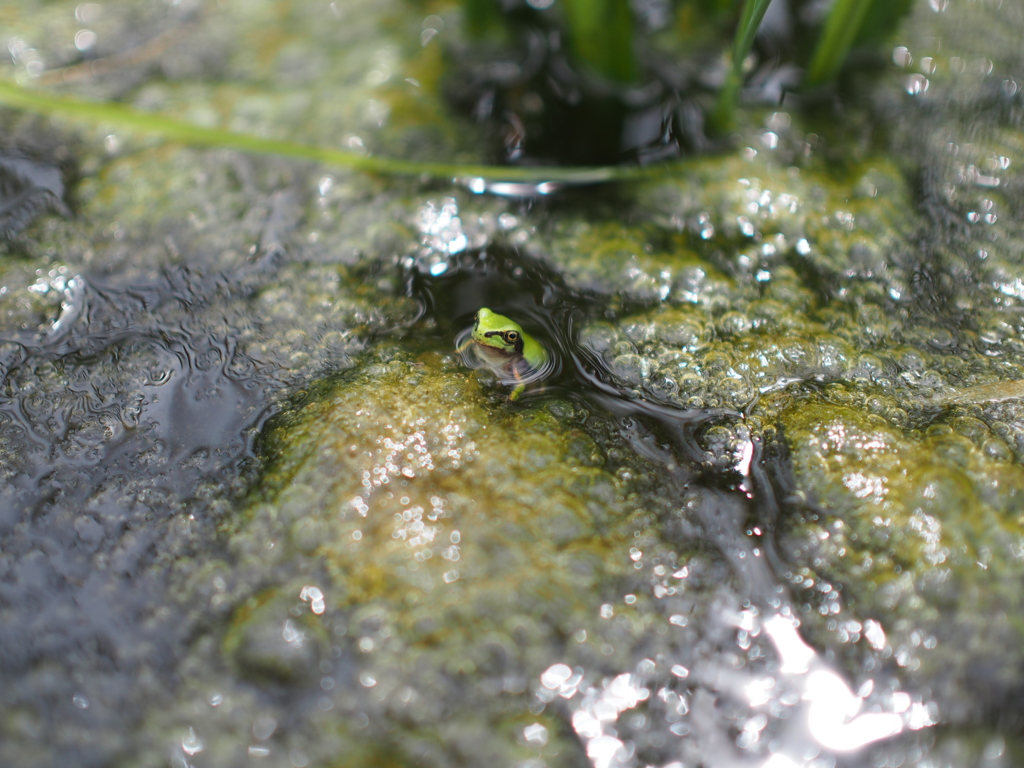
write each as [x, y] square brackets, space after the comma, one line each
[121, 416]
[797, 711]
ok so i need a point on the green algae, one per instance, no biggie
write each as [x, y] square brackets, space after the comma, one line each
[460, 543]
[918, 530]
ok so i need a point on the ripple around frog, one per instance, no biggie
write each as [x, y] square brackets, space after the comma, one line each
[551, 367]
[727, 499]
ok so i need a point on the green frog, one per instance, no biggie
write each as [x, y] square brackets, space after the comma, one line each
[503, 347]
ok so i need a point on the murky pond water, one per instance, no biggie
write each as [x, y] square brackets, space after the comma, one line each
[765, 510]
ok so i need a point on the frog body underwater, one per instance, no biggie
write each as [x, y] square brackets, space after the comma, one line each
[502, 346]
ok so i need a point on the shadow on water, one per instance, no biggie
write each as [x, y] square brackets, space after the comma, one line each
[120, 429]
[192, 403]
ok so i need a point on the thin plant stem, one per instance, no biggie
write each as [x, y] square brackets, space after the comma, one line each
[475, 176]
[841, 27]
[601, 37]
[721, 118]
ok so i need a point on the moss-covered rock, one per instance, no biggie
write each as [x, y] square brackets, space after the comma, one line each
[417, 552]
[915, 536]
[459, 545]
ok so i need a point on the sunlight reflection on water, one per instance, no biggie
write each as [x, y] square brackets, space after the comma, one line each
[801, 714]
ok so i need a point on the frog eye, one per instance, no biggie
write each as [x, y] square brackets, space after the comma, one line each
[511, 337]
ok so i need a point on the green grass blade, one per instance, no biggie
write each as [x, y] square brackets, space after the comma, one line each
[483, 19]
[601, 36]
[721, 118]
[126, 117]
[841, 27]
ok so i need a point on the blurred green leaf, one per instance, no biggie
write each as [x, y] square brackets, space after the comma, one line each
[601, 36]
[841, 27]
[721, 118]
[881, 20]
[483, 18]
[125, 117]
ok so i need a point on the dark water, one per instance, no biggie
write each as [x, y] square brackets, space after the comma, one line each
[126, 435]
[28, 188]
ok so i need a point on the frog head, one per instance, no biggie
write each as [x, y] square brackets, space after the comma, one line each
[498, 333]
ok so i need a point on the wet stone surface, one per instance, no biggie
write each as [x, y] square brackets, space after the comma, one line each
[435, 526]
[254, 511]
[917, 526]
[137, 368]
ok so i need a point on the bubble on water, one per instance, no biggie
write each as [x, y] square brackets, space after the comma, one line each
[874, 634]
[444, 234]
[315, 597]
[192, 744]
[264, 726]
[916, 84]
[536, 735]
[630, 369]
[292, 635]
[85, 40]
[555, 676]
[733, 324]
